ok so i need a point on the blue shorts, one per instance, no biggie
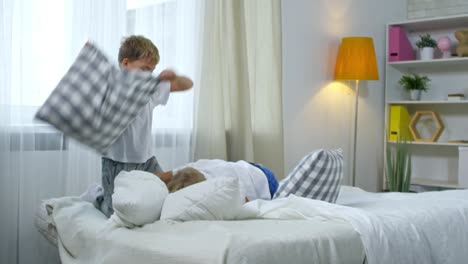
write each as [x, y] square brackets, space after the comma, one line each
[272, 181]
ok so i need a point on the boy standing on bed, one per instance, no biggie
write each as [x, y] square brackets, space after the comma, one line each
[133, 149]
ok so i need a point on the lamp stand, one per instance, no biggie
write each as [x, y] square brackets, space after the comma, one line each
[353, 175]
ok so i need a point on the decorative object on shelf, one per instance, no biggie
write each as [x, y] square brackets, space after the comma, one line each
[399, 123]
[415, 95]
[398, 166]
[414, 84]
[444, 44]
[399, 47]
[455, 97]
[356, 61]
[417, 117]
[462, 37]
[426, 45]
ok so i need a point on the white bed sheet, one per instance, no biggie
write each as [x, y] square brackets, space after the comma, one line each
[429, 227]
[85, 236]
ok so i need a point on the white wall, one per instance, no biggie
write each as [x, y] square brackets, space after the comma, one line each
[318, 113]
[434, 8]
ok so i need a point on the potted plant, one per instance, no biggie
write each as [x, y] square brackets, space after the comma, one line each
[426, 45]
[415, 84]
[398, 166]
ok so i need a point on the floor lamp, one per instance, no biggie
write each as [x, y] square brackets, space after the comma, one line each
[356, 61]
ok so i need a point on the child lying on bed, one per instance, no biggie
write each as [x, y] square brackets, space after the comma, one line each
[255, 180]
[317, 176]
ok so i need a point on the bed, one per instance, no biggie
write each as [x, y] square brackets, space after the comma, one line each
[85, 238]
[362, 227]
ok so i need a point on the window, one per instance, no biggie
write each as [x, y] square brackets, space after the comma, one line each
[172, 29]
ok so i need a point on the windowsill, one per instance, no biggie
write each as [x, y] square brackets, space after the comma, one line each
[43, 137]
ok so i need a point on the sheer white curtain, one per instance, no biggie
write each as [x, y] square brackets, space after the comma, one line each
[239, 112]
[238, 87]
[173, 26]
[39, 40]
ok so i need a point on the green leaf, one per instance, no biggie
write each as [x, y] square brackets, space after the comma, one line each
[426, 41]
[398, 166]
[414, 82]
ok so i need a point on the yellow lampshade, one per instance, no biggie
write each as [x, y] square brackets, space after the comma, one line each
[356, 60]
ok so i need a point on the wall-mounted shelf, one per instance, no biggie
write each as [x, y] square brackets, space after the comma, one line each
[405, 102]
[437, 23]
[443, 144]
[436, 183]
[430, 64]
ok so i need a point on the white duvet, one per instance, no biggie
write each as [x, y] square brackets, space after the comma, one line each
[85, 236]
[430, 227]
[394, 228]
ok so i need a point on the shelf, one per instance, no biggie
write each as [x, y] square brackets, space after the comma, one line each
[431, 160]
[428, 102]
[458, 21]
[436, 183]
[443, 144]
[428, 64]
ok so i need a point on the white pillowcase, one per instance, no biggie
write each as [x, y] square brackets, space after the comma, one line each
[216, 199]
[138, 198]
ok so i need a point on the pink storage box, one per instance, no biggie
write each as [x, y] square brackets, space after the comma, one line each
[399, 47]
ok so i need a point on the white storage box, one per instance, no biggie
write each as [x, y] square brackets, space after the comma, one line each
[463, 166]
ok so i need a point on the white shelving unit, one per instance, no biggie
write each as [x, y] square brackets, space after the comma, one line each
[434, 163]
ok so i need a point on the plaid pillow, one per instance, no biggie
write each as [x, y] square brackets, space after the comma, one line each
[317, 176]
[95, 101]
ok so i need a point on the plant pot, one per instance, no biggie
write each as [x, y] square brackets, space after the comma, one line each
[415, 95]
[427, 53]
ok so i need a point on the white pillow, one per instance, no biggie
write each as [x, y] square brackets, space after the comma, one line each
[138, 198]
[216, 199]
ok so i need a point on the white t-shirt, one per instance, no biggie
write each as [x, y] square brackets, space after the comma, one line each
[252, 181]
[135, 143]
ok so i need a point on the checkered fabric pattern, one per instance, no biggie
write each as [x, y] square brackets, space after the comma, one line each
[317, 176]
[95, 101]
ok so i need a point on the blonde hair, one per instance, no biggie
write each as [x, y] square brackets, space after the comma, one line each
[138, 47]
[184, 178]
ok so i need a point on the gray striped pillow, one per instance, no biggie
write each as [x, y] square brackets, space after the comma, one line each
[95, 101]
[318, 176]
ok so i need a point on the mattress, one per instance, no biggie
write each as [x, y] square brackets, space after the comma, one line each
[86, 236]
[362, 227]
